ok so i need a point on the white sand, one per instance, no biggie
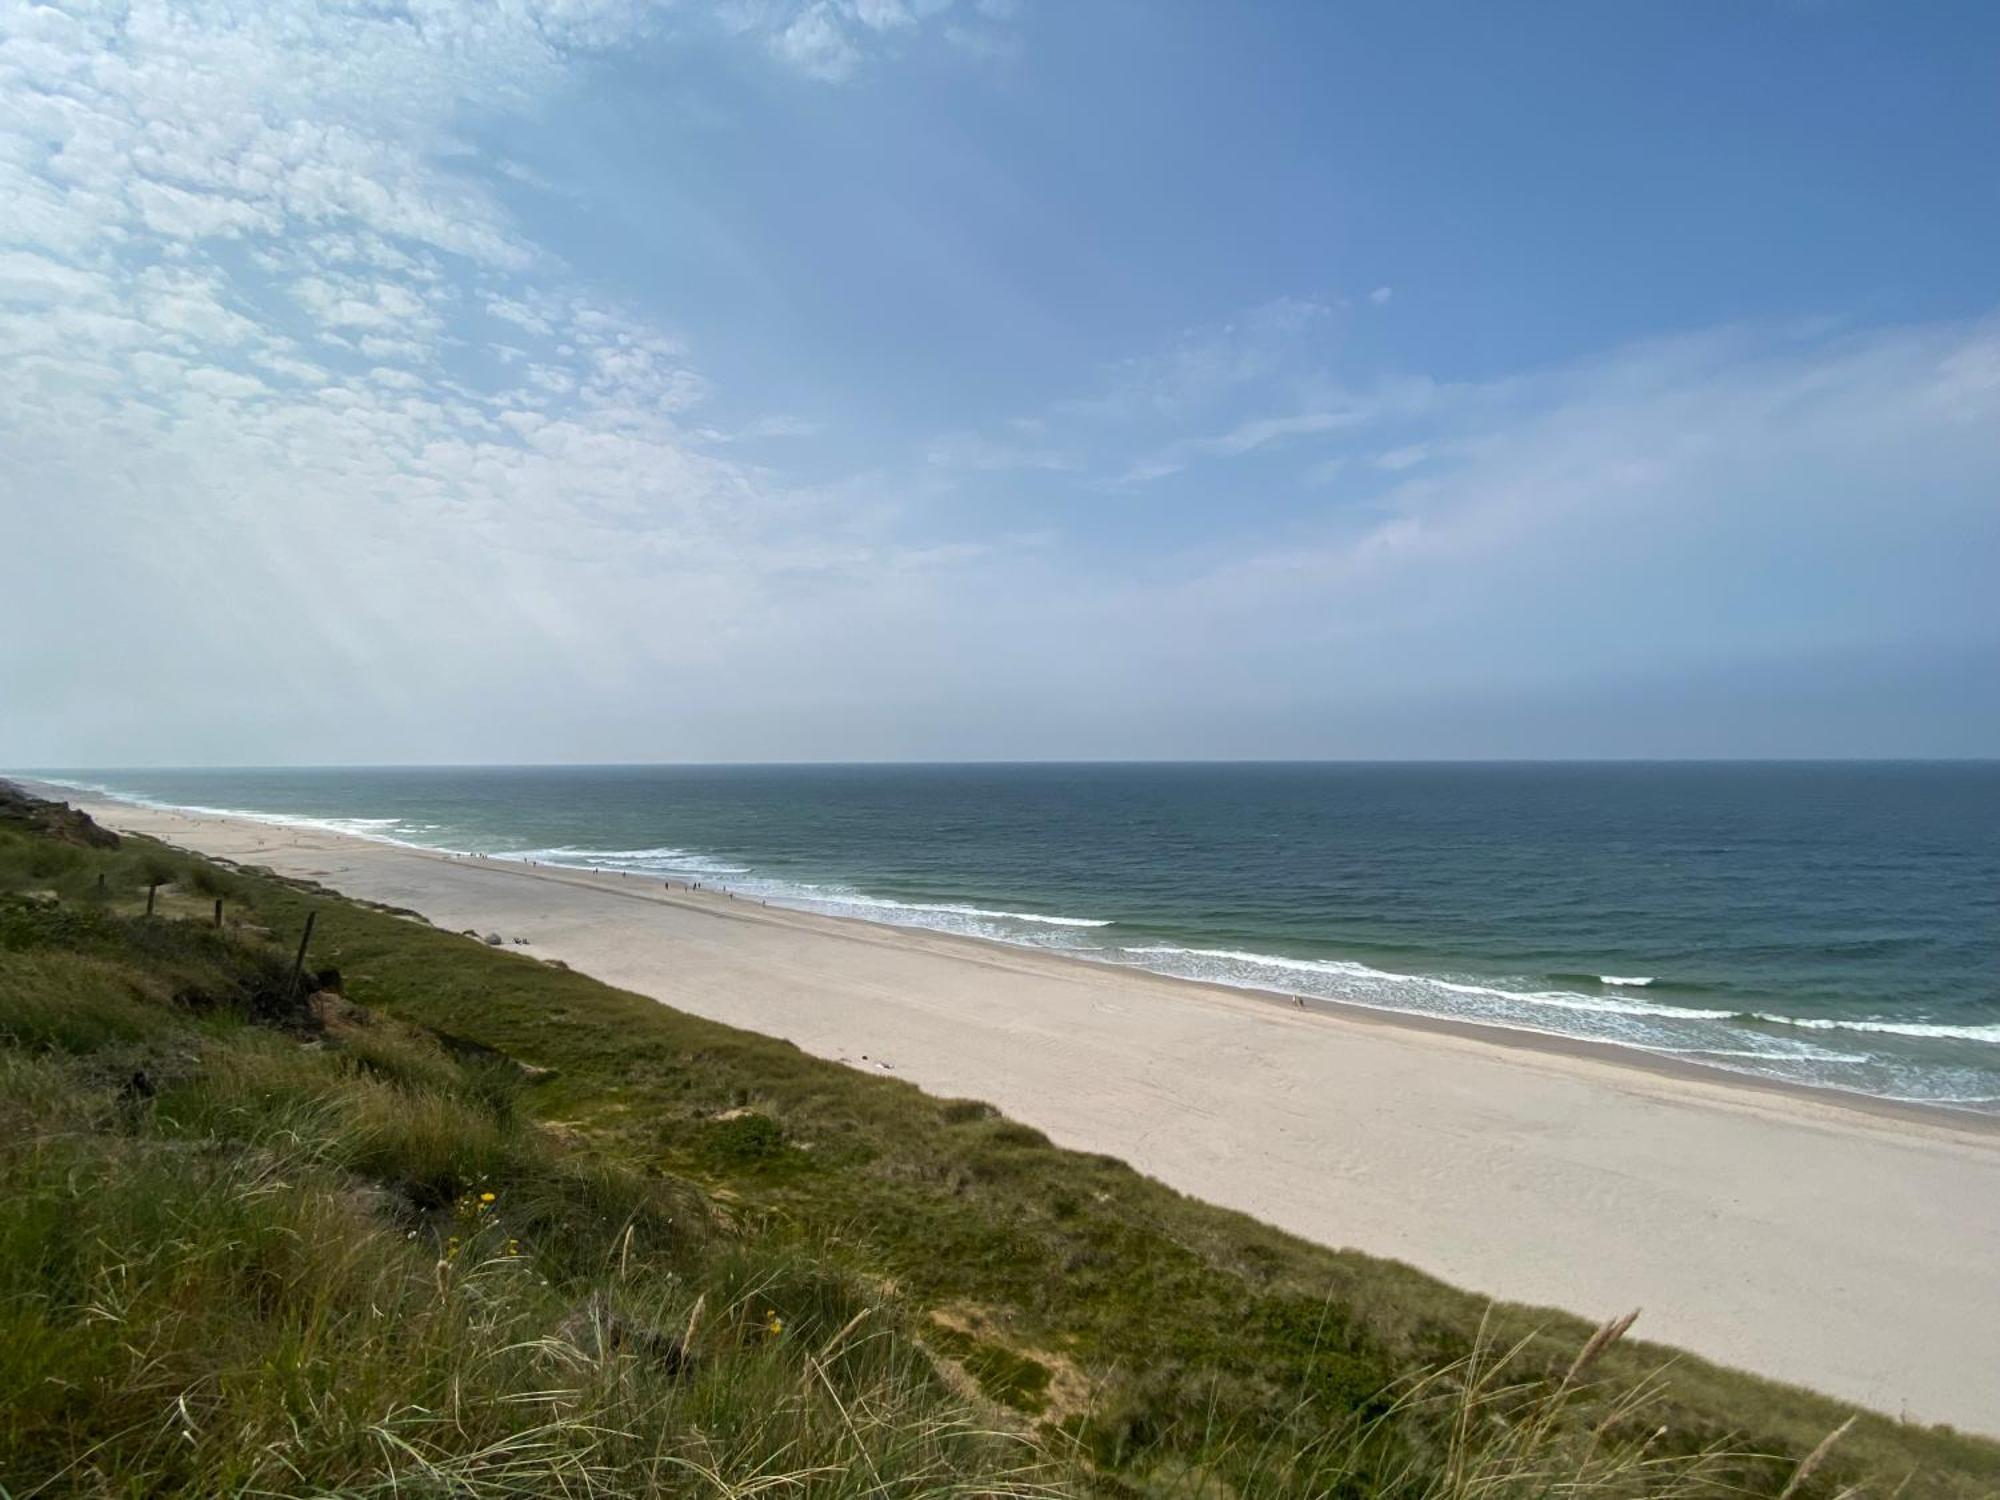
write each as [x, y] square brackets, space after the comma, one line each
[1850, 1249]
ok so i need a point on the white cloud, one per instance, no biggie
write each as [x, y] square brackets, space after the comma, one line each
[1395, 460]
[247, 278]
[37, 280]
[778, 426]
[180, 214]
[994, 45]
[1751, 489]
[1256, 382]
[1259, 432]
[1381, 295]
[883, 15]
[1205, 363]
[1325, 471]
[817, 44]
[1766, 504]
[226, 385]
[193, 308]
[831, 40]
[972, 450]
[385, 307]
[1247, 436]
[520, 314]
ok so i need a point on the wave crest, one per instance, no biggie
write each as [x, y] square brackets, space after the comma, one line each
[1936, 1030]
[651, 861]
[1340, 968]
[956, 909]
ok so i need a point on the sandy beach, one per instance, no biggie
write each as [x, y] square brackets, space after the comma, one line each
[1841, 1245]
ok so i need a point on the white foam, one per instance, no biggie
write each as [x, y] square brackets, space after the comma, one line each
[668, 858]
[1269, 960]
[1412, 985]
[1888, 1028]
[1623, 982]
[85, 786]
[1942, 1098]
[954, 909]
[373, 829]
[1766, 1054]
[652, 860]
[1040, 918]
[1346, 969]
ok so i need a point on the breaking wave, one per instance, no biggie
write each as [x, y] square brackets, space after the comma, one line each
[377, 829]
[1935, 1030]
[660, 860]
[951, 908]
[1347, 969]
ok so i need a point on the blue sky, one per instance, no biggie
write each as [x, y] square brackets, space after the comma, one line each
[802, 379]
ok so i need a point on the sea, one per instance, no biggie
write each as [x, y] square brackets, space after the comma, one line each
[1829, 924]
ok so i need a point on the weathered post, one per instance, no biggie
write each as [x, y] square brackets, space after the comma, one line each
[218, 914]
[152, 888]
[299, 963]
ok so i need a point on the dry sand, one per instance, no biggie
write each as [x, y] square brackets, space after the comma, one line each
[1847, 1248]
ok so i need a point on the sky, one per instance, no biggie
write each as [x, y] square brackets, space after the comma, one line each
[600, 380]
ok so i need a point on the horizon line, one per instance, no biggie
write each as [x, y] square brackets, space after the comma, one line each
[1105, 761]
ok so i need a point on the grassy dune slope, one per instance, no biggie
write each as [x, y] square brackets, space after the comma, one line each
[476, 1225]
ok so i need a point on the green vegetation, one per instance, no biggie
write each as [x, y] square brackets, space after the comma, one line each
[451, 1221]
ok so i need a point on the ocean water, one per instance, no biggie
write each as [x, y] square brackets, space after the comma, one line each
[1829, 924]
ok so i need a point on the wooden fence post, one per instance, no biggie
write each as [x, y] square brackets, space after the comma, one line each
[218, 914]
[299, 963]
[151, 889]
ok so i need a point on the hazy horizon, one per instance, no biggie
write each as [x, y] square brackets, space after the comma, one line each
[971, 762]
[993, 381]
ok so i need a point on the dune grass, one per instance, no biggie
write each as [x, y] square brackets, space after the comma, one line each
[476, 1225]
[327, 1258]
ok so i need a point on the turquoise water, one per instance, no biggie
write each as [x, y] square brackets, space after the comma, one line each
[1830, 924]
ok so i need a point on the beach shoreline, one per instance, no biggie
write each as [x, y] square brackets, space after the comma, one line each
[107, 807]
[1772, 1225]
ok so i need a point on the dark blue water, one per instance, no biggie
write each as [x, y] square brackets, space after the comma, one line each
[1835, 924]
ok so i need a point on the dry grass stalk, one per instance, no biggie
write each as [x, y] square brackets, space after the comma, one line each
[1593, 1350]
[831, 1345]
[1814, 1459]
[694, 1323]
